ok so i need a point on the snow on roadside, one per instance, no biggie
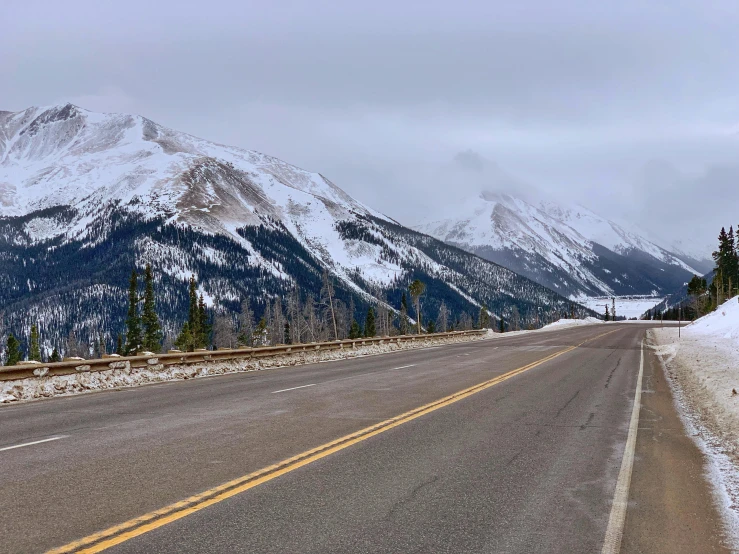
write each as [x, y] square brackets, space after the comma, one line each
[563, 323]
[702, 366]
[88, 381]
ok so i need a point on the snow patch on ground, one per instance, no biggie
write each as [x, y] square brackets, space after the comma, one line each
[702, 366]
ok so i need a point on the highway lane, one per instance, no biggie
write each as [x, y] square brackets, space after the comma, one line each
[486, 473]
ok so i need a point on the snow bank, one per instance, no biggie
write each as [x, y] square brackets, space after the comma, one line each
[563, 323]
[703, 368]
[705, 360]
[705, 363]
[721, 324]
[126, 376]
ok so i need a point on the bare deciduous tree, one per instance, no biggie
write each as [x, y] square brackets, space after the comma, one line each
[246, 325]
[416, 288]
[442, 322]
[75, 347]
[294, 315]
[224, 331]
[465, 322]
[277, 330]
[327, 300]
[311, 322]
[269, 324]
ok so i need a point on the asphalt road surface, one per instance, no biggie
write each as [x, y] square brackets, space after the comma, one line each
[526, 459]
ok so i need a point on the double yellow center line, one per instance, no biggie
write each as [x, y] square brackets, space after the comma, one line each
[117, 534]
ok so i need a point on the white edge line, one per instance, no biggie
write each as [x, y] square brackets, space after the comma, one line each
[615, 530]
[405, 366]
[32, 443]
[294, 388]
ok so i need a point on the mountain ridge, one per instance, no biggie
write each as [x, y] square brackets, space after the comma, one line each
[86, 196]
[567, 248]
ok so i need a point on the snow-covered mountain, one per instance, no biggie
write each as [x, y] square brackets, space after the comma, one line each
[85, 196]
[567, 248]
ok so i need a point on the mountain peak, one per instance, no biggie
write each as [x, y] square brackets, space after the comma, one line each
[97, 193]
[568, 248]
[111, 157]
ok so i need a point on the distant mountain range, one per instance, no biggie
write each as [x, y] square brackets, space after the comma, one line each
[86, 196]
[569, 249]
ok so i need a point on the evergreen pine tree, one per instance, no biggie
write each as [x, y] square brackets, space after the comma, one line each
[152, 327]
[726, 266]
[55, 356]
[13, 351]
[483, 321]
[431, 327]
[501, 325]
[696, 290]
[607, 313]
[695, 286]
[355, 332]
[261, 332]
[732, 262]
[184, 340]
[133, 321]
[119, 345]
[369, 323]
[193, 293]
[287, 339]
[204, 326]
[35, 349]
[193, 318]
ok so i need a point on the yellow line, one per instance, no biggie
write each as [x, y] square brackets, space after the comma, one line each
[117, 534]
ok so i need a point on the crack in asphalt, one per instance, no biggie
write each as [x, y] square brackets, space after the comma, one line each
[587, 423]
[566, 404]
[410, 497]
[610, 375]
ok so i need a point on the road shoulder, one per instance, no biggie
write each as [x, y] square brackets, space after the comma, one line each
[672, 506]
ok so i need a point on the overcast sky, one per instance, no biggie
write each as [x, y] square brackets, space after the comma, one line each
[631, 108]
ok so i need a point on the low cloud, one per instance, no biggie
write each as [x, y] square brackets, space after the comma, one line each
[410, 105]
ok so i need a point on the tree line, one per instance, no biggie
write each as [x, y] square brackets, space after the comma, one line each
[302, 318]
[296, 318]
[704, 296]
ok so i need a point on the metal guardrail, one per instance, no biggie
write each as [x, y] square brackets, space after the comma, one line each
[70, 366]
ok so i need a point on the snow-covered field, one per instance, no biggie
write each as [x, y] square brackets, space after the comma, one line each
[703, 368]
[628, 306]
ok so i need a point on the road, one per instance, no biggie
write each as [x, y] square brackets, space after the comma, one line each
[527, 462]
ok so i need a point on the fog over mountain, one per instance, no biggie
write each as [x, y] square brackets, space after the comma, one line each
[629, 108]
[469, 171]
